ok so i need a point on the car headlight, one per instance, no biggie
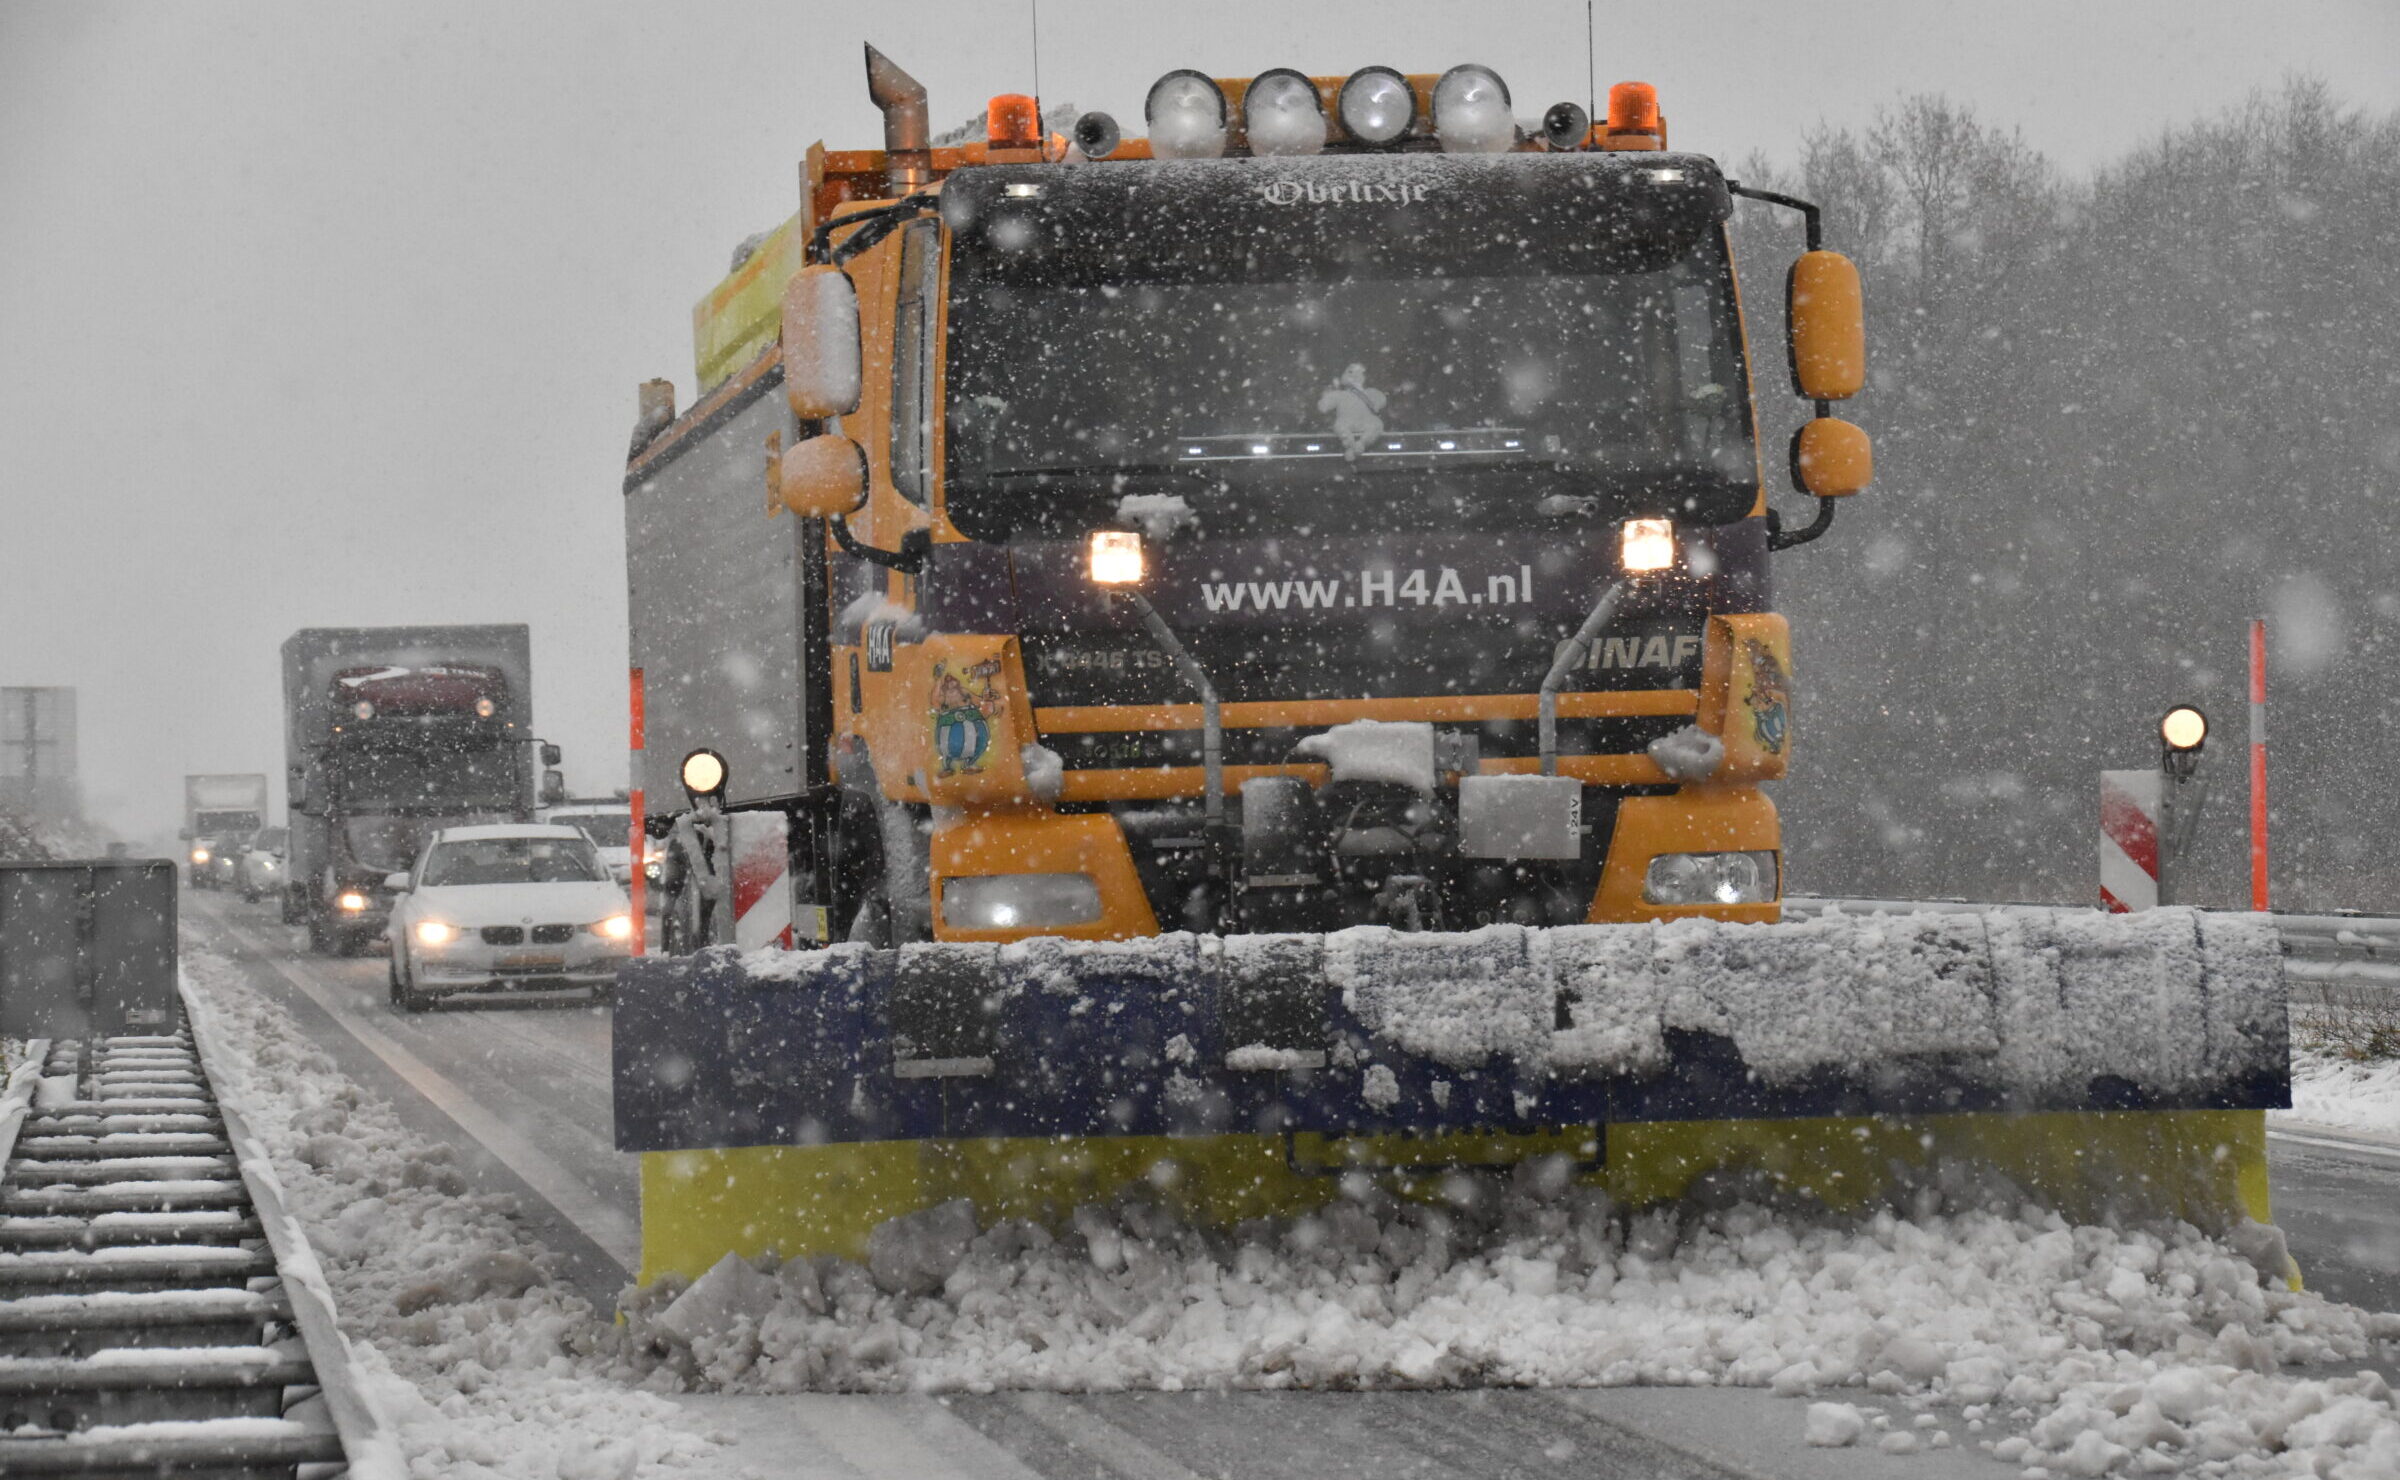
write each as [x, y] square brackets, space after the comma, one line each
[436, 932]
[1020, 901]
[615, 927]
[1711, 878]
[351, 900]
[199, 855]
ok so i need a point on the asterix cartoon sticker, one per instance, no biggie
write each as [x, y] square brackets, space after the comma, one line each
[1357, 409]
[964, 706]
[1770, 697]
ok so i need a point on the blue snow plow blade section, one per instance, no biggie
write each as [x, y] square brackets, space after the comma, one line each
[1372, 1031]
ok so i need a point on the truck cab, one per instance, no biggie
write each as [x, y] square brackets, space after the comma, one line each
[1319, 513]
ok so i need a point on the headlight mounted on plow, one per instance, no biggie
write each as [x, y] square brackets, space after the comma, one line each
[1710, 878]
[1020, 901]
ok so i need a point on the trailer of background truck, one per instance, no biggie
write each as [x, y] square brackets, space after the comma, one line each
[391, 733]
[219, 813]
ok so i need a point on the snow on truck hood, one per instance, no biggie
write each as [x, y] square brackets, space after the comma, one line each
[578, 902]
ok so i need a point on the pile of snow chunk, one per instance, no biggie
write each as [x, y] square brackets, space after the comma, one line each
[2154, 1343]
[485, 1367]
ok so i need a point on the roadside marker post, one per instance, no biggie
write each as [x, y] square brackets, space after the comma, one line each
[2260, 898]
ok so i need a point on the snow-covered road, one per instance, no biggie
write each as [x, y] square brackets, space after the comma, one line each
[523, 1095]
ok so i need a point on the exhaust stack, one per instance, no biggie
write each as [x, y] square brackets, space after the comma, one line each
[907, 124]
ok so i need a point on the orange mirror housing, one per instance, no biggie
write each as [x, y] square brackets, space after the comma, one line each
[821, 370]
[1822, 304]
[824, 478]
[1832, 458]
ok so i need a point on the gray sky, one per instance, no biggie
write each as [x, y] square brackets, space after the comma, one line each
[332, 314]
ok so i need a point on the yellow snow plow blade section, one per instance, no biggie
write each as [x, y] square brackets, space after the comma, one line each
[2206, 1166]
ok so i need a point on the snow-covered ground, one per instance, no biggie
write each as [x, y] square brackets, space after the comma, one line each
[486, 1368]
[2061, 1350]
[2346, 1094]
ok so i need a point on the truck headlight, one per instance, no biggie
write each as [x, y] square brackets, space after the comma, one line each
[351, 900]
[1649, 544]
[199, 855]
[1711, 878]
[1020, 901]
[1116, 557]
[436, 932]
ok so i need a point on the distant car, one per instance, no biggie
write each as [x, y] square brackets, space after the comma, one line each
[513, 906]
[259, 865]
[608, 824]
[212, 862]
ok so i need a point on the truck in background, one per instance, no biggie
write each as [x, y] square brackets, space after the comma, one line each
[220, 812]
[391, 733]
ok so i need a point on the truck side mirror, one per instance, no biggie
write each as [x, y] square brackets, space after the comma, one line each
[821, 369]
[554, 788]
[1828, 327]
[551, 754]
[1832, 458]
[823, 478]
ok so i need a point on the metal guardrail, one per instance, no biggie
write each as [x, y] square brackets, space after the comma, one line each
[2358, 952]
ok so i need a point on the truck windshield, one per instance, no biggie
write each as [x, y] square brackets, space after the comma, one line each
[427, 772]
[605, 829]
[1374, 340]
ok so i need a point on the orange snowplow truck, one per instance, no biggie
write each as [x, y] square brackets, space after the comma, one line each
[1343, 506]
[1247, 653]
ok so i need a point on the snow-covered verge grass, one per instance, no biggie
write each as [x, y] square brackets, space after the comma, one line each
[485, 1367]
[2332, 1088]
[2083, 1350]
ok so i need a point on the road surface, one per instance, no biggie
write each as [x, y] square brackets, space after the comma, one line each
[521, 1090]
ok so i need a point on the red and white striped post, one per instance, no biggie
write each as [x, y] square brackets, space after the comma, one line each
[2259, 898]
[2129, 840]
[638, 887]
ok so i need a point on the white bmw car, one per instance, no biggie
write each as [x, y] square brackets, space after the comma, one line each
[505, 907]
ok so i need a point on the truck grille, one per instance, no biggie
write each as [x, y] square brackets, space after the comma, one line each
[502, 935]
[552, 935]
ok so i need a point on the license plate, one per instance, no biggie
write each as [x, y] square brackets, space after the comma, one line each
[533, 960]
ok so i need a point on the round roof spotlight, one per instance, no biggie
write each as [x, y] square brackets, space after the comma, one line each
[1282, 114]
[1097, 135]
[1472, 113]
[1186, 116]
[1377, 105]
[1567, 125]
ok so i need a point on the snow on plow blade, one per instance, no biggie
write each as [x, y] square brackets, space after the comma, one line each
[1374, 1032]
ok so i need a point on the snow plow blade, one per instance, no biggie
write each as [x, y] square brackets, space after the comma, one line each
[793, 1100]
